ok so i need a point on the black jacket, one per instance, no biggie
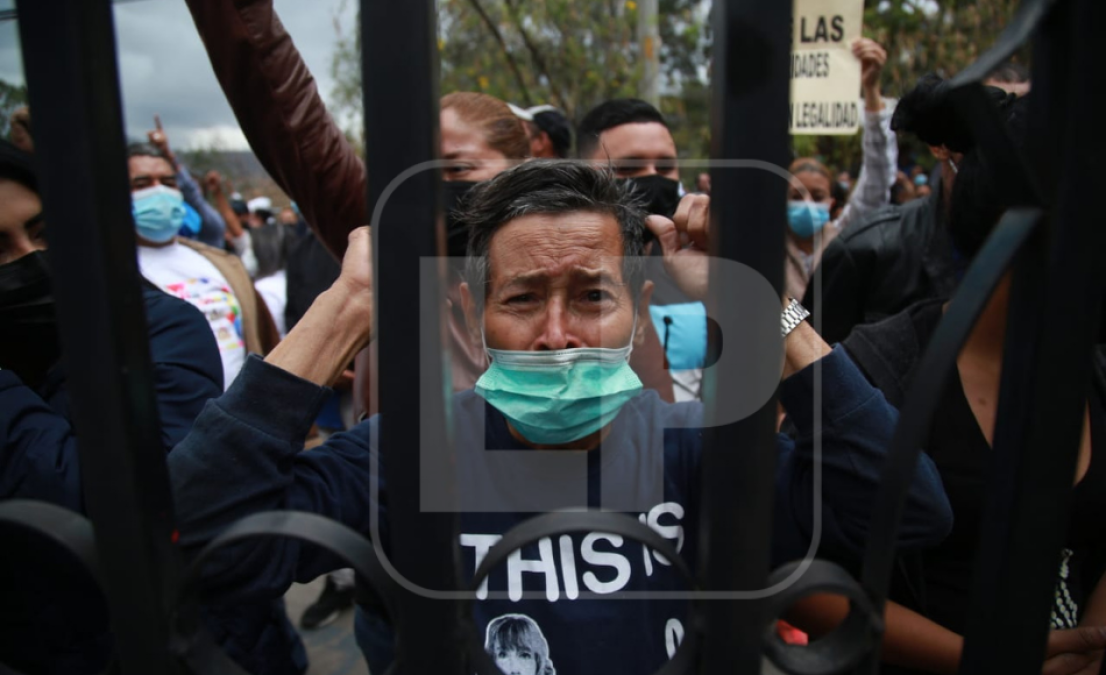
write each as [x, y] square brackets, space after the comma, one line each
[895, 258]
[53, 618]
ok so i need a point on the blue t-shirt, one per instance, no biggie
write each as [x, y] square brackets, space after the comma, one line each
[646, 467]
[556, 597]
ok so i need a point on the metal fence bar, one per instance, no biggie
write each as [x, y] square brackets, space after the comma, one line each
[69, 55]
[400, 72]
[752, 44]
[1055, 309]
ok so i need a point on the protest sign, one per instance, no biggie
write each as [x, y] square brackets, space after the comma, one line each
[825, 76]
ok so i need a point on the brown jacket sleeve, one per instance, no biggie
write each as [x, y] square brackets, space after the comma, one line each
[278, 107]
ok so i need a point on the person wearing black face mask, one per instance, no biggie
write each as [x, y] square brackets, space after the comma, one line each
[29, 339]
[632, 138]
[52, 620]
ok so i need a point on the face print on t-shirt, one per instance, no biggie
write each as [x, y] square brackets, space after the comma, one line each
[518, 646]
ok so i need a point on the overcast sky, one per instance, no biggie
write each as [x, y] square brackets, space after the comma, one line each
[165, 69]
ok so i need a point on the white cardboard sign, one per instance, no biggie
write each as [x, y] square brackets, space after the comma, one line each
[825, 76]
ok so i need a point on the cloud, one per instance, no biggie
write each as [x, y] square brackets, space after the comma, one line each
[164, 69]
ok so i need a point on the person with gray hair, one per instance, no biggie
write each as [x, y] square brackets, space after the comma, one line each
[554, 295]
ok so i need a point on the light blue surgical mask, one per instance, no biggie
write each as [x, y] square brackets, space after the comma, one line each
[555, 397]
[807, 218]
[158, 213]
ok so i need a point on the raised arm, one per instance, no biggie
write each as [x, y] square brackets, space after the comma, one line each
[245, 452]
[855, 426]
[212, 225]
[213, 186]
[277, 104]
[881, 151]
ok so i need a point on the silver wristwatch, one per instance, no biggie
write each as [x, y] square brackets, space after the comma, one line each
[792, 316]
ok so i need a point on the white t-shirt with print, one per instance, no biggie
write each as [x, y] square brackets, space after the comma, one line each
[184, 273]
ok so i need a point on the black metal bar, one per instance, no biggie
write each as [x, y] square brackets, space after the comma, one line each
[752, 43]
[1054, 314]
[400, 67]
[1012, 234]
[69, 56]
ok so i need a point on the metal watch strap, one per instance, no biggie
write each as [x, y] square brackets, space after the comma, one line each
[792, 316]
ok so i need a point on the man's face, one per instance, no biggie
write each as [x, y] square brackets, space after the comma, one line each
[648, 142]
[466, 151]
[516, 661]
[149, 171]
[555, 282]
[21, 224]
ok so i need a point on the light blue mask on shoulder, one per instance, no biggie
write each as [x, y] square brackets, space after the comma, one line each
[559, 396]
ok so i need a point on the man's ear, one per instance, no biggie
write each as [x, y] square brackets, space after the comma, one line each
[643, 314]
[940, 152]
[546, 141]
[472, 322]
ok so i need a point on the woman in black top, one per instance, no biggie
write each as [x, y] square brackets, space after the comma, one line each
[960, 444]
[923, 624]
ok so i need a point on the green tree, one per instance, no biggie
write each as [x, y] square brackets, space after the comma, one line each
[569, 53]
[921, 36]
[577, 53]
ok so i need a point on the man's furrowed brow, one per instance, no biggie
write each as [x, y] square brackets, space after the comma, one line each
[601, 277]
[578, 274]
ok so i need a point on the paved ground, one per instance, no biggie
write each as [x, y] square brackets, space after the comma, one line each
[331, 649]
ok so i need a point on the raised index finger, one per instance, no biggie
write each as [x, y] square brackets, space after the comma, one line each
[157, 122]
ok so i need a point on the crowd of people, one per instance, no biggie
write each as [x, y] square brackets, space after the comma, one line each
[576, 321]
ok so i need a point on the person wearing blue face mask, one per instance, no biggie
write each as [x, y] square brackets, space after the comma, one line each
[209, 278]
[814, 216]
[555, 290]
[202, 222]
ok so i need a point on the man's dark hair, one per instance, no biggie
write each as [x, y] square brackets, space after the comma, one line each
[18, 165]
[551, 186]
[1009, 72]
[611, 114]
[556, 125]
[272, 244]
[145, 150]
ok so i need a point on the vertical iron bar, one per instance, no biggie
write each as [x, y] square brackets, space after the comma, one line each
[69, 56]
[752, 43]
[400, 69]
[1053, 323]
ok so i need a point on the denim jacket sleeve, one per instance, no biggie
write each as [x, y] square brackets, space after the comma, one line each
[245, 455]
[852, 437]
